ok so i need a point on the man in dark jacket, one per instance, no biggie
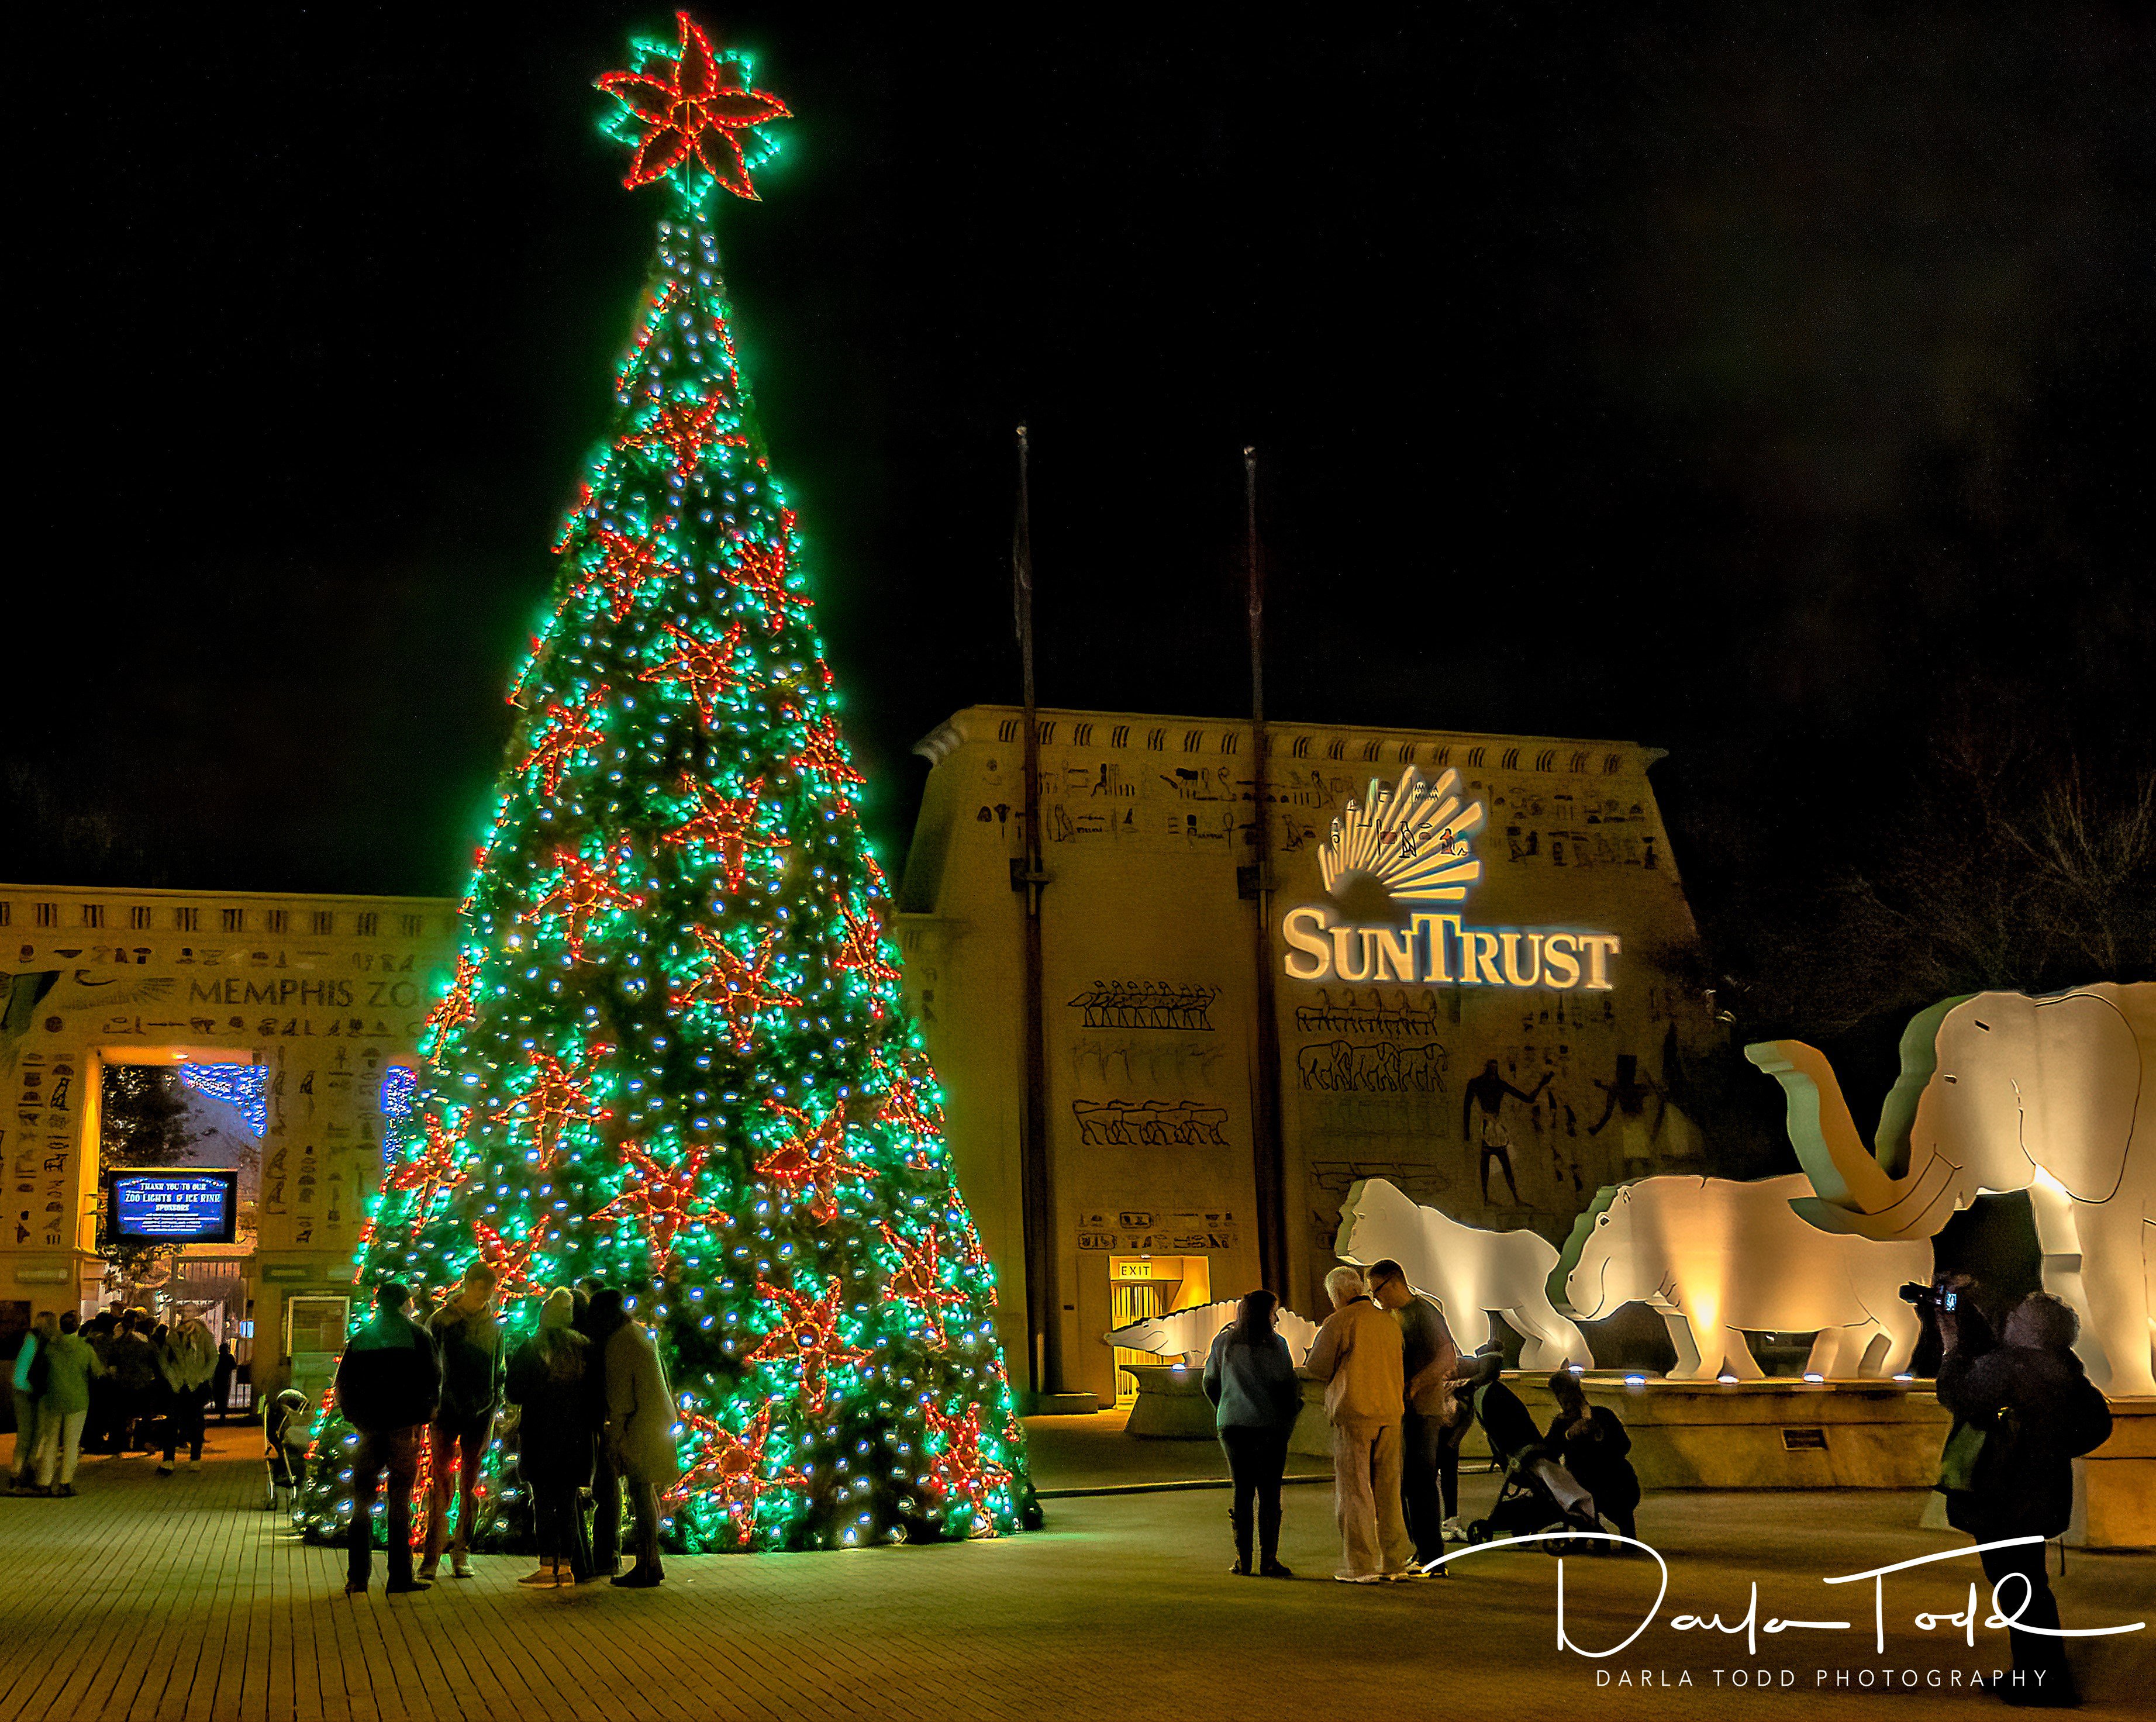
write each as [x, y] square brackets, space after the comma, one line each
[468, 1338]
[388, 1384]
[2039, 1413]
[597, 1321]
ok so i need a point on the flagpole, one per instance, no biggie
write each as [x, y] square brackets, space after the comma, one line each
[1268, 1150]
[1043, 1359]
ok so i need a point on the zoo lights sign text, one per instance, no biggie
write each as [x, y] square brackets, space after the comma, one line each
[1413, 841]
[1438, 947]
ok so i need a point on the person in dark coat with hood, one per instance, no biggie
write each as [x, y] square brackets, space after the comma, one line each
[597, 1321]
[549, 1377]
[389, 1385]
[2039, 1412]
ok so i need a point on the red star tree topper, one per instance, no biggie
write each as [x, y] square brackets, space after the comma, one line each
[559, 1096]
[807, 1335]
[699, 110]
[726, 823]
[704, 668]
[742, 988]
[916, 1281]
[961, 1472]
[728, 1469]
[581, 890]
[665, 1200]
[566, 733]
[815, 1161]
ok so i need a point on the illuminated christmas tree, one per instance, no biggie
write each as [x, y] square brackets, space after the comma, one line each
[673, 1056]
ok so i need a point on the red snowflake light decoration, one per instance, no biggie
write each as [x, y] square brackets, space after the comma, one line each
[559, 1097]
[510, 1258]
[902, 1109]
[435, 1168]
[740, 987]
[726, 824]
[961, 1472]
[822, 752]
[580, 892]
[454, 1008]
[567, 732]
[727, 1469]
[665, 1199]
[684, 429]
[917, 1280]
[808, 1335]
[705, 668]
[698, 108]
[861, 951]
[813, 1160]
[624, 567]
[760, 570]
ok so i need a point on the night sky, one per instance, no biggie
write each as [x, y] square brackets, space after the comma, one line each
[1766, 385]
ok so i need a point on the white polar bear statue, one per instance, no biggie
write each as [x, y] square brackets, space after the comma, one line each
[1188, 1334]
[1714, 1258]
[1465, 1271]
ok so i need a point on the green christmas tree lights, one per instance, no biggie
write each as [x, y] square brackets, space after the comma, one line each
[673, 1056]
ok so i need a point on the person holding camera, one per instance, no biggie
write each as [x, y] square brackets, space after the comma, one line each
[2024, 1395]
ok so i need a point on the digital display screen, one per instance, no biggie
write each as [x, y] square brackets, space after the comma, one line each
[180, 1206]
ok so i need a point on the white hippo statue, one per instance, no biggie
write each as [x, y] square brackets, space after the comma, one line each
[1465, 1271]
[1715, 1258]
[1188, 1334]
[2001, 1091]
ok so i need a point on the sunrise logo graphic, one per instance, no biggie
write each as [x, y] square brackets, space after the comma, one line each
[1410, 839]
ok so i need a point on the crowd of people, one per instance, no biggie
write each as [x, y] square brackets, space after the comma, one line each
[120, 1383]
[1399, 1398]
[592, 1413]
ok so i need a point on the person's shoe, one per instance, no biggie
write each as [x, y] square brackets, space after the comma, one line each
[195, 1463]
[1241, 1569]
[165, 1468]
[542, 1574]
[1273, 1569]
[430, 1569]
[460, 1566]
[1359, 1578]
[355, 1587]
[642, 1577]
[65, 1491]
[1451, 1531]
[1406, 1575]
[405, 1586]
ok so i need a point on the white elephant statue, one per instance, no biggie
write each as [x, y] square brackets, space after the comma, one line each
[1188, 1334]
[1465, 1271]
[1715, 1258]
[2002, 1091]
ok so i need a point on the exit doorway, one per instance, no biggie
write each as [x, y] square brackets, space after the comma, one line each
[1143, 1286]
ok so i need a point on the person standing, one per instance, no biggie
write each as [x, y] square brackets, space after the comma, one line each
[135, 1378]
[220, 1381]
[1428, 1358]
[70, 1367]
[186, 1361]
[546, 1377]
[601, 1315]
[2038, 1412]
[467, 1336]
[28, 1383]
[1356, 1355]
[1591, 1443]
[1256, 1395]
[389, 1385]
[639, 1431]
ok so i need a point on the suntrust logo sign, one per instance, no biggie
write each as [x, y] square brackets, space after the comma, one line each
[1410, 844]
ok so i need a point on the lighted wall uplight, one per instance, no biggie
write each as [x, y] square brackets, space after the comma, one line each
[1810, 1376]
[1732, 1379]
[1636, 1380]
[1578, 1369]
[1905, 1378]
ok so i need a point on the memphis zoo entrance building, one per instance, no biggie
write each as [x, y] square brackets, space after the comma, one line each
[1500, 1054]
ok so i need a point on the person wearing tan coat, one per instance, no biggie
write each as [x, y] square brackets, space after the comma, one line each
[1358, 1355]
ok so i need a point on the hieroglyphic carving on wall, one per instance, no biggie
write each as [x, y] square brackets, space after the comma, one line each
[1145, 1004]
[1150, 1124]
[1178, 1065]
[1371, 1066]
[1372, 1011]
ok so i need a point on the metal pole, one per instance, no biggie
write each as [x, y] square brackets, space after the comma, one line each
[1044, 1349]
[1269, 1159]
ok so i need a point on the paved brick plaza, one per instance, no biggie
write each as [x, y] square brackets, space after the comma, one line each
[147, 1599]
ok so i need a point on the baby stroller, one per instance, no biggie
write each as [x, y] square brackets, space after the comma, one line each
[285, 1420]
[1538, 1494]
